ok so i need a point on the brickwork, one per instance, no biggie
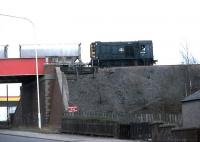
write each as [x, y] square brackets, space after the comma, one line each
[53, 98]
[56, 108]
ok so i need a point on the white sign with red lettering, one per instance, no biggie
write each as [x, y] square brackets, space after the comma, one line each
[72, 108]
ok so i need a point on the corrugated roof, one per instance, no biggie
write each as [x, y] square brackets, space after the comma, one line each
[193, 97]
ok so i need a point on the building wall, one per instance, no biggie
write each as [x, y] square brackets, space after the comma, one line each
[191, 115]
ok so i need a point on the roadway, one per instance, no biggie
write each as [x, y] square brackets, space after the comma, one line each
[27, 136]
[11, 138]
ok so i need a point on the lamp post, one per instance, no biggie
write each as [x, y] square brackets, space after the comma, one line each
[7, 104]
[36, 62]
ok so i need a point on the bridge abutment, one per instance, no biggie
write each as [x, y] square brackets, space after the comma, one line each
[51, 105]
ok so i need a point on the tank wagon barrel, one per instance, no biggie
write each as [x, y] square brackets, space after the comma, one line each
[65, 50]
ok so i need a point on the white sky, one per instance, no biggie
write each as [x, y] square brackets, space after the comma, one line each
[169, 23]
[13, 89]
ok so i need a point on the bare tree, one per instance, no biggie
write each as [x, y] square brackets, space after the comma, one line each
[187, 57]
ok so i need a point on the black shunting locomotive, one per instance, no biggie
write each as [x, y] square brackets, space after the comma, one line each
[132, 53]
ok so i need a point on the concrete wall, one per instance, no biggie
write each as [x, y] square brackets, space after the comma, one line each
[191, 115]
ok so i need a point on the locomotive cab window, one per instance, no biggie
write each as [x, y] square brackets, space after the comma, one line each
[143, 50]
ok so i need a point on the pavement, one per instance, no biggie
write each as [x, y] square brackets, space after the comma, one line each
[61, 136]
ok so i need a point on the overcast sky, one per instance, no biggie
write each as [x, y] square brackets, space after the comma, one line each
[169, 23]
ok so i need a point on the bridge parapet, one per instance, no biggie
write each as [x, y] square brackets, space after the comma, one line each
[21, 66]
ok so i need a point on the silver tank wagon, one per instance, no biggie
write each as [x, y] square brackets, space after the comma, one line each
[53, 53]
[50, 50]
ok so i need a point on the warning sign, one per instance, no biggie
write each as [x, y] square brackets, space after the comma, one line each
[72, 108]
